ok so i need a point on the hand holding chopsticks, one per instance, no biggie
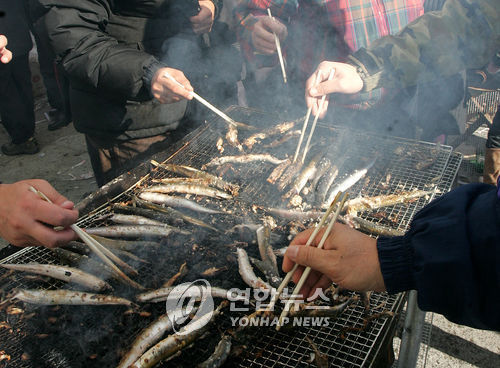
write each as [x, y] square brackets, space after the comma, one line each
[102, 252]
[204, 102]
[338, 202]
[313, 127]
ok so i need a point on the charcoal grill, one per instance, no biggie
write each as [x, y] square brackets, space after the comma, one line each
[397, 159]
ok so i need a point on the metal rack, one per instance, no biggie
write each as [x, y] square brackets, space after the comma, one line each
[397, 163]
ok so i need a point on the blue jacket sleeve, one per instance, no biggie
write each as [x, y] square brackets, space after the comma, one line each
[451, 257]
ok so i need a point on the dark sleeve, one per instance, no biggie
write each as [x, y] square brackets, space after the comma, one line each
[451, 256]
[77, 31]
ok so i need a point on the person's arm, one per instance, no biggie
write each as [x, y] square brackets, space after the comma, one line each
[465, 34]
[450, 256]
[5, 54]
[255, 27]
[204, 20]
[27, 220]
[90, 56]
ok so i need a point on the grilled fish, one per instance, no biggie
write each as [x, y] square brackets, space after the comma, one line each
[220, 354]
[232, 137]
[265, 157]
[170, 212]
[134, 231]
[177, 341]
[374, 228]
[289, 174]
[278, 129]
[68, 297]
[247, 274]
[283, 139]
[361, 204]
[278, 171]
[162, 294]
[175, 202]
[150, 335]
[304, 176]
[119, 218]
[265, 248]
[347, 183]
[199, 174]
[64, 273]
[295, 215]
[201, 190]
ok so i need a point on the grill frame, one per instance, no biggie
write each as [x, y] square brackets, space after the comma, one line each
[95, 206]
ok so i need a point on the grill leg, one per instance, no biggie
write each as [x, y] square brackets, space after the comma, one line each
[412, 333]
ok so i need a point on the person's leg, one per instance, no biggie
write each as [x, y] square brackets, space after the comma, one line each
[46, 60]
[17, 106]
[110, 159]
[492, 155]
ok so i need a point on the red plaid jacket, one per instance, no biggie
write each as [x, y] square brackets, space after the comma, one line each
[356, 23]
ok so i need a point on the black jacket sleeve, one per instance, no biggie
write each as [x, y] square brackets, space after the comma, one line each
[77, 30]
[451, 256]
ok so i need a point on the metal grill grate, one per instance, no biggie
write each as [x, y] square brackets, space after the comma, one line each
[486, 102]
[397, 164]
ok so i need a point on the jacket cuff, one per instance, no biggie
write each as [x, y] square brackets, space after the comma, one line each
[396, 263]
[368, 67]
[150, 70]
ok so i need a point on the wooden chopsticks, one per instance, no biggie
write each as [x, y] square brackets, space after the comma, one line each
[304, 126]
[313, 127]
[204, 102]
[307, 271]
[100, 250]
[278, 49]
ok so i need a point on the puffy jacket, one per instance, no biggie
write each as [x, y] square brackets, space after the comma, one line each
[14, 25]
[107, 49]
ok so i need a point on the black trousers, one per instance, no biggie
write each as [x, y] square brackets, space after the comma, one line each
[494, 133]
[16, 99]
[54, 78]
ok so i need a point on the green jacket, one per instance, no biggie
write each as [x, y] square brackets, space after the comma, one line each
[465, 34]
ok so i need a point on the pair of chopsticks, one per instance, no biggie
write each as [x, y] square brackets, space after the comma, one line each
[278, 49]
[100, 250]
[204, 102]
[306, 121]
[339, 198]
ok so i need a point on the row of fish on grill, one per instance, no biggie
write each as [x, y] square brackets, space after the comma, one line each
[159, 210]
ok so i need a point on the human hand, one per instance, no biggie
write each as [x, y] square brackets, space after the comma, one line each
[5, 54]
[166, 90]
[349, 258]
[263, 37]
[345, 80]
[203, 21]
[26, 219]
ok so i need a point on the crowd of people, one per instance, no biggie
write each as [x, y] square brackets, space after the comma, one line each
[119, 58]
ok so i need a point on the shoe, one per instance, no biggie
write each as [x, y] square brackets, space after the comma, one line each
[491, 166]
[30, 147]
[59, 120]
